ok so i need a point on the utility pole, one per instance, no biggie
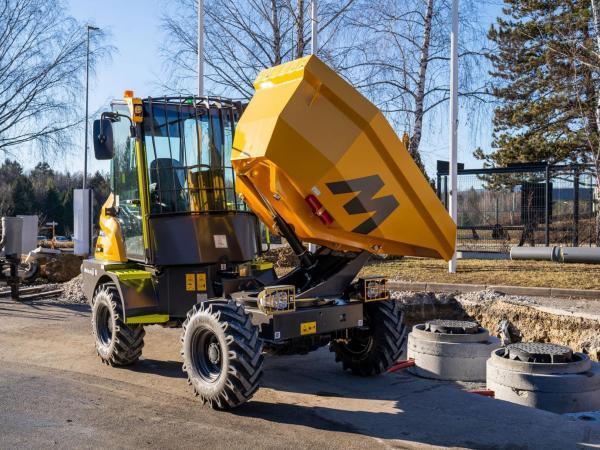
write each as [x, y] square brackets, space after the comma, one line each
[200, 47]
[314, 20]
[87, 95]
[453, 124]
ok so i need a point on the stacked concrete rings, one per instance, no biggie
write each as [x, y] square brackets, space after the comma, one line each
[544, 376]
[450, 350]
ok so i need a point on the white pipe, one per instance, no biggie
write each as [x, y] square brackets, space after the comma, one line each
[453, 123]
[314, 19]
[200, 47]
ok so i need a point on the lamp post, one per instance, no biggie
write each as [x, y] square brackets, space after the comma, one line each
[87, 94]
[200, 47]
[453, 124]
[314, 20]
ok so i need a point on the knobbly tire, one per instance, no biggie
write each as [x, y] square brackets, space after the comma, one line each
[222, 354]
[373, 348]
[117, 344]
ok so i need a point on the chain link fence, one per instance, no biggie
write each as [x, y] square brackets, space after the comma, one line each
[523, 205]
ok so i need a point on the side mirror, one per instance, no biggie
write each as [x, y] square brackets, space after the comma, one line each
[104, 146]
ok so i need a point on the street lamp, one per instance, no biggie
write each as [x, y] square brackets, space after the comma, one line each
[200, 47]
[87, 94]
[314, 21]
[453, 124]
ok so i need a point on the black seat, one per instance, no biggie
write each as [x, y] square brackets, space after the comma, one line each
[167, 178]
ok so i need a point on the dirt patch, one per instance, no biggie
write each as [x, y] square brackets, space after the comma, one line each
[525, 318]
[60, 268]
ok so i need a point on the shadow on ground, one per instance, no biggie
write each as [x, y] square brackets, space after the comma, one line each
[313, 391]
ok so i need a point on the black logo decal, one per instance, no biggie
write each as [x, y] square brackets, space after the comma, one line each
[364, 202]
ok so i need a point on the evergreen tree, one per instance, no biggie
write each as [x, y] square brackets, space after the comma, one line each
[52, 205]
[22, 195]
[9, 171]
[546, 90]
[101, 189]
[42, 176]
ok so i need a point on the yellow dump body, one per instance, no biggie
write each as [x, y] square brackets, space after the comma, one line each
[308, 135]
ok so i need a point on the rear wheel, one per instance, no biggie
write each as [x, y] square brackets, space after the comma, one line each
[375, 347]
[116, 343]
[222, 354]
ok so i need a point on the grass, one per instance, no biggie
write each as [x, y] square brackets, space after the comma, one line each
[517, 273]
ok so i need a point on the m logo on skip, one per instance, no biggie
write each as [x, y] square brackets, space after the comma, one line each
[366, 189]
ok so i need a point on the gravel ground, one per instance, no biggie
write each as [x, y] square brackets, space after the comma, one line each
[72, 292]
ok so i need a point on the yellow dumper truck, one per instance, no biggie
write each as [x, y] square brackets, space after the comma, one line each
[191, 177]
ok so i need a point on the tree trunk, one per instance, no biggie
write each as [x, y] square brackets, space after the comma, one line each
[415, 140]
[596, 150]
[276, 33]
[301, 44]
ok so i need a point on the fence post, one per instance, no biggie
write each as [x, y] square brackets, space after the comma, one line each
[576, 208]
[446, 192]
[547, 207]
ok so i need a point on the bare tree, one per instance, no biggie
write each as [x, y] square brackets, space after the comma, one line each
[395, 52]
[243, 38]
[404, 61]
[42, 59]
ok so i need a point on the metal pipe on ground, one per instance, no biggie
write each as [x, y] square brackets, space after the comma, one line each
[534, 253]
[589, 255]
[585, 255]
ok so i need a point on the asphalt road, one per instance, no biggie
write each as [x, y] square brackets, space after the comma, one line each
[54, 392]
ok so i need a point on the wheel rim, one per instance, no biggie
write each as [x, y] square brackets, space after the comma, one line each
[207, 355]
[104, 327]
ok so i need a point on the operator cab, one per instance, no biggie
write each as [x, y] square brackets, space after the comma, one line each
[173, 184]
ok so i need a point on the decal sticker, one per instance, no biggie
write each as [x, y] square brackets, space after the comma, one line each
[201, 282]
[308, 328]
[364, 201]
[220, 240]
[190, 281]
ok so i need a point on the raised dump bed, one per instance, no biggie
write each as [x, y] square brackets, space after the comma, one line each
[313, 149]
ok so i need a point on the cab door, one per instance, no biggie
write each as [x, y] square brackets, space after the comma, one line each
[126, 187]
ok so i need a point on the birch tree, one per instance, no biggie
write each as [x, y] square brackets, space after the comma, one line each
[243, 38]
[42, 61]
[406, 67]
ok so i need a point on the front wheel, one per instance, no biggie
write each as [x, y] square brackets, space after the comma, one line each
[117, 344]
[222, 354]
[375, 347]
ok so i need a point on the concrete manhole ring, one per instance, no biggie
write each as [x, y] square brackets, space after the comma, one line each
[451, 326]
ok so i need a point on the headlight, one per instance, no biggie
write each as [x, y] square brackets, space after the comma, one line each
[374, 288]
[275, 299]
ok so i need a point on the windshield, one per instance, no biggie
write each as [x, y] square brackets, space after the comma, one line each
[188, 152]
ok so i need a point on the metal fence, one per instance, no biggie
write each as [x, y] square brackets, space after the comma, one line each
[524, 205]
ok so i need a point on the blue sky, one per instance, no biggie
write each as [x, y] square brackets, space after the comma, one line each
[134, 27]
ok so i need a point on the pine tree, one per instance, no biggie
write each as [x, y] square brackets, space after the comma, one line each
[546, 91]
[22, 195]
[101, 189]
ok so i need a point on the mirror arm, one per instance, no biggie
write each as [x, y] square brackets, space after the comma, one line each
[115, 116]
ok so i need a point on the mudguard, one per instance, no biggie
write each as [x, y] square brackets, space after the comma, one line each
[138, 295]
